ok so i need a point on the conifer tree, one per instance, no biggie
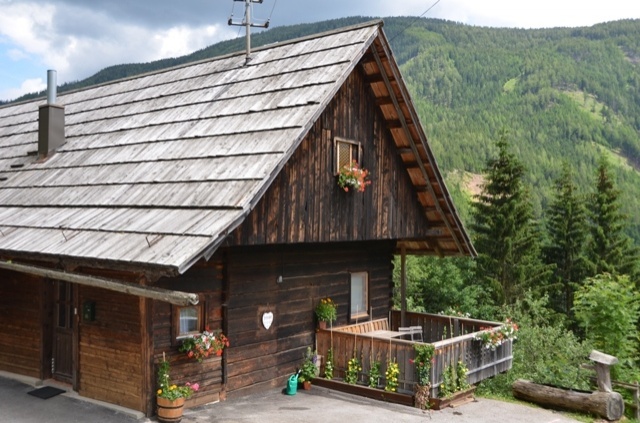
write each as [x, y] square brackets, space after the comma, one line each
[568, 234]
[505, 233]
[610, 249]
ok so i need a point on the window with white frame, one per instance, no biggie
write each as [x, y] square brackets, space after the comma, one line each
[359, 306]
[346, 151]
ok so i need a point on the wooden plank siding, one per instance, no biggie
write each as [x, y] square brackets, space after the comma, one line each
[305, 204]
[259, 358]
[117, 350]
[21, 323]
[110, 364]
[207, 279]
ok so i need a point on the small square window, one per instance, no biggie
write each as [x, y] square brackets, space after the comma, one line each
[346, 151]
[359, 307]
[187, 321]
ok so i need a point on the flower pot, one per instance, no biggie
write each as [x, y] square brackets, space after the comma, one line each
[322, 324]
[306, 385]
[170, 411]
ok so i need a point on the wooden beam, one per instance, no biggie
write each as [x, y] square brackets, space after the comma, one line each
[383, 101]
[178, 298]
[409, 135]
[372, 79]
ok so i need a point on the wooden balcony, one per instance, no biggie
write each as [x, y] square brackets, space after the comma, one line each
[452, 337]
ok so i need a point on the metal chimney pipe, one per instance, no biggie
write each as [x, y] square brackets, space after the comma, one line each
[52, 84]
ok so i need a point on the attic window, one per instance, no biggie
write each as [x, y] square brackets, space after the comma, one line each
[345, 151]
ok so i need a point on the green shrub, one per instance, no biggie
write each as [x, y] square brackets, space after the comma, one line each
[607, 307]
[545, 352]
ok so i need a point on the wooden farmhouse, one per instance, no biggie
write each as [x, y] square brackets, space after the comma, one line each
[139, 211]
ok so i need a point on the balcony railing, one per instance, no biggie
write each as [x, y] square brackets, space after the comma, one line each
[452, 337]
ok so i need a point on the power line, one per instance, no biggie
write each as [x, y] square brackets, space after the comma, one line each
[414, 20]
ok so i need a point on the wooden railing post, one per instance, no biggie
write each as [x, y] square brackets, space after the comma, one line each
[602, 363]
[403, 286]
[636, 400]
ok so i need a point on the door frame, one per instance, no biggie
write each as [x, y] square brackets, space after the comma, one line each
[50, 317]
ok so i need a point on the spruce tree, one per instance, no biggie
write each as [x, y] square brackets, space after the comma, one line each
[568, 234]
[505, 233]
[610, 249]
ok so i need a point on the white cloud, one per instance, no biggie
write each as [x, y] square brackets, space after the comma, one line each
[181, 40]
[21, 24]
[90, 40]
[28, 86]
[17, 54]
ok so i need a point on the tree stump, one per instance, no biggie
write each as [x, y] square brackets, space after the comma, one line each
[608, 405]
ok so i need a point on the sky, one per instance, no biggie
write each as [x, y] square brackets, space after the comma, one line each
[78, 38]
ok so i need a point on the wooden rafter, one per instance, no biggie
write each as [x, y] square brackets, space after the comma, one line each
[414, 149]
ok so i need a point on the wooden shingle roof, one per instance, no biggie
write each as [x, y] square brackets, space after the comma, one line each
[157, 169]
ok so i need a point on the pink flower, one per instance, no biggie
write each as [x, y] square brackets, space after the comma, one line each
[195, 386]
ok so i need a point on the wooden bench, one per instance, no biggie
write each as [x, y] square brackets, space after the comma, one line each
[365, 327]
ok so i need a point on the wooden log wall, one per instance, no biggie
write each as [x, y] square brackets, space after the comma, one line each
[22, 323]
[206, 279]
[261, 358]
[304, 203]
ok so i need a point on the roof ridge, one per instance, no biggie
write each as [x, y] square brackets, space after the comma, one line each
[374, 22]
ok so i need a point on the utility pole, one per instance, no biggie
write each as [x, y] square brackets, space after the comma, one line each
[247, 23]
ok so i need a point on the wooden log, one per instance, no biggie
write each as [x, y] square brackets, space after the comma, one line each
[174, 297]
[608, 405]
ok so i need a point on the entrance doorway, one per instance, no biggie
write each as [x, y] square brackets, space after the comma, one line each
[63, 359]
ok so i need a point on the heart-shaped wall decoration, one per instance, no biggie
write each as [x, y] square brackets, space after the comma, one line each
[267, 320]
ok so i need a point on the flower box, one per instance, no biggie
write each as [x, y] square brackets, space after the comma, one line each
[365, 391]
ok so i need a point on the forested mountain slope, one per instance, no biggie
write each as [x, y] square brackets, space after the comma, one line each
[565, 94]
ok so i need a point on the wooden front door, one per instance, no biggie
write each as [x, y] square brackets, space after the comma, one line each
[64, 327]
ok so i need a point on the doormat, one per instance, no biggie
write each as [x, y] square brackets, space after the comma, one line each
[46, 392]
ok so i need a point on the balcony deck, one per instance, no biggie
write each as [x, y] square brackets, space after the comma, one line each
[452, 337]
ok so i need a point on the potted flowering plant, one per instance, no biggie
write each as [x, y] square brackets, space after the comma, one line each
[423, 360]
[309, 369]
[492, 338]
[353, 176]
[326, 311]
[170, 397]
[203, 345]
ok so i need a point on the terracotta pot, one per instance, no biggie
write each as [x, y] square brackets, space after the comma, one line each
[170, 411]
[306, 385]
[322, 324]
